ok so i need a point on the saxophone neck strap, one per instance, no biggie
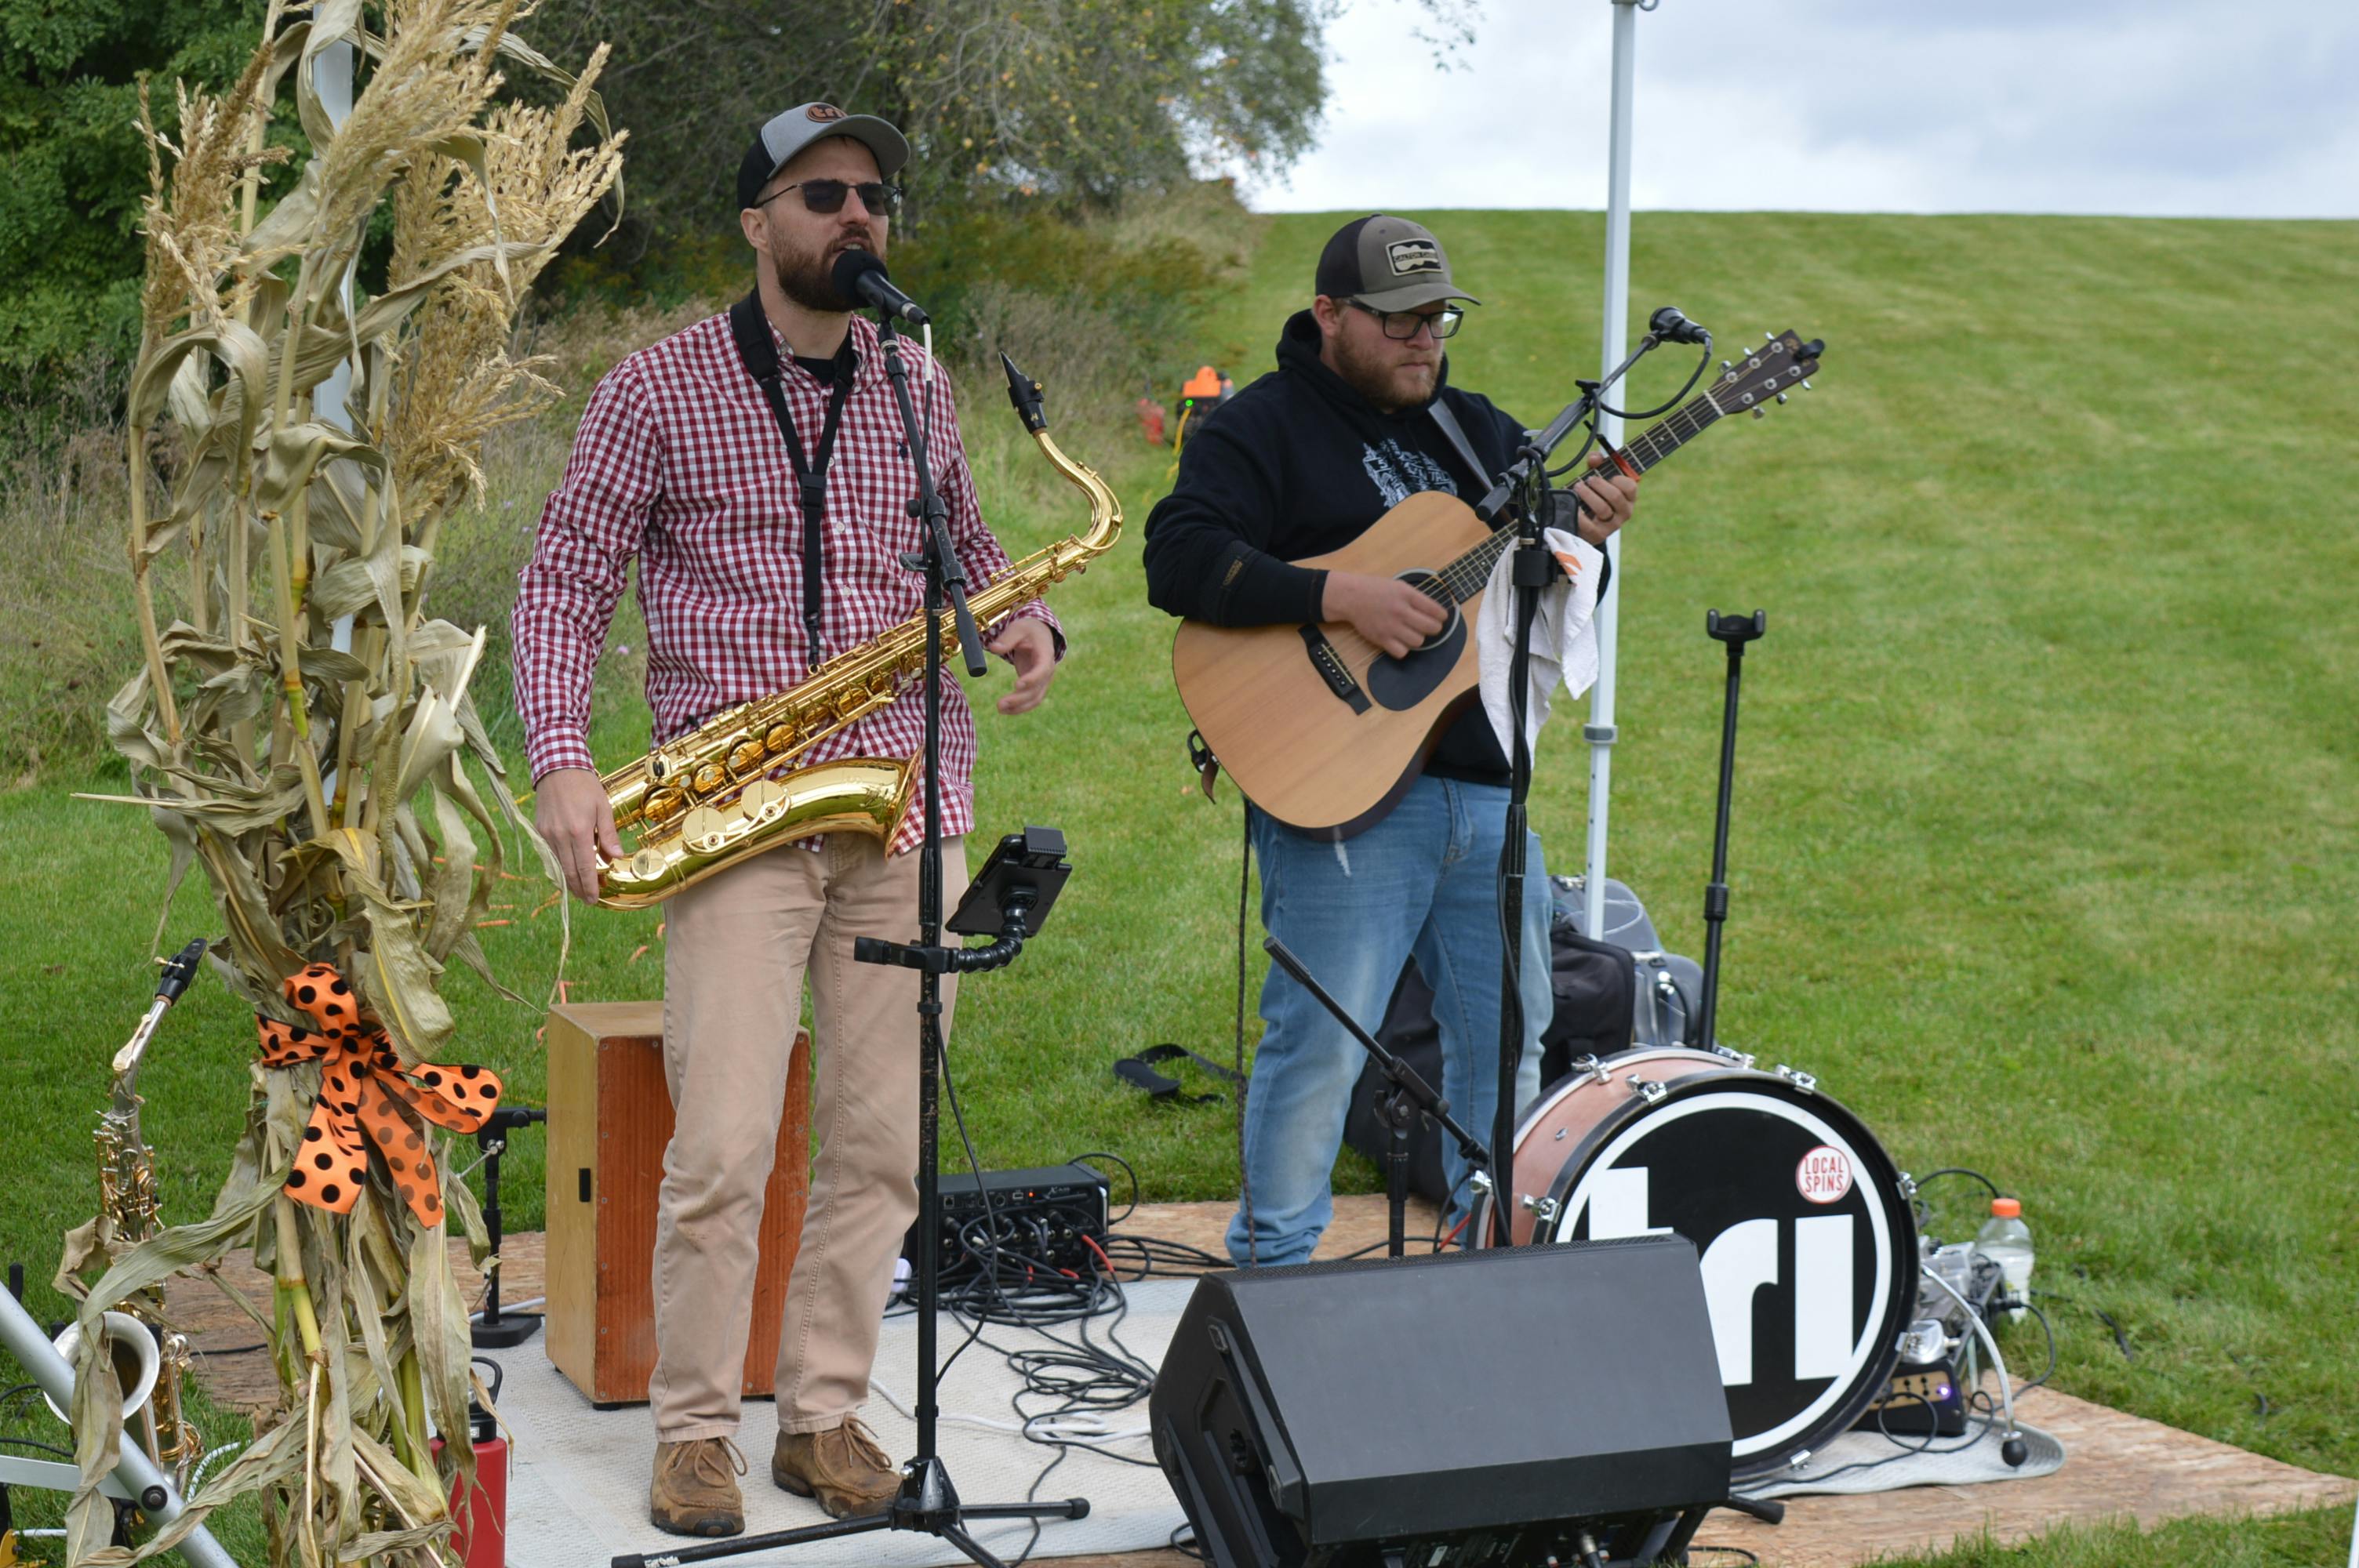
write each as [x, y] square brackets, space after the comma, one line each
[758, 350]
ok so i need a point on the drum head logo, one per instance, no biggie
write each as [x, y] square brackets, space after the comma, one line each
[1805, 1248]
[1824, 1175]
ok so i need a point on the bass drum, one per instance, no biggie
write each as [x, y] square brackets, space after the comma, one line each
[1803, 1224]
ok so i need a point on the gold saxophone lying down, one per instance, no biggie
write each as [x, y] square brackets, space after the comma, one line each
[730, 787]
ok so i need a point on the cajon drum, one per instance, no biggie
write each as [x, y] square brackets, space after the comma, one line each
[609, 1118]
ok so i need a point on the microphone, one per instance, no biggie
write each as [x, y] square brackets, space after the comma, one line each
[1669, 326]
[859, 275]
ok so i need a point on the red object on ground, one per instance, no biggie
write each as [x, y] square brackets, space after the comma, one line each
[1151, 419]
[481, 1538]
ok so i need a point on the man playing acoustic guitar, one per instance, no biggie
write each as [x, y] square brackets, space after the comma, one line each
[1299, 464]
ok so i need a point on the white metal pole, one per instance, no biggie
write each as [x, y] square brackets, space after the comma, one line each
[1599, 731]
[135, 1475]
[331, 79]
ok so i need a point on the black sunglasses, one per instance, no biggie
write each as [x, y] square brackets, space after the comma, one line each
[827, 195]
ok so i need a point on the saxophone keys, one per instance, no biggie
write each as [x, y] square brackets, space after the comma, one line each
[764, 800]
[709, 778]
[745, 756]
[705, 829]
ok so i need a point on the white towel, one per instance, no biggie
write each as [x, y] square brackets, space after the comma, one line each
[1564, 636]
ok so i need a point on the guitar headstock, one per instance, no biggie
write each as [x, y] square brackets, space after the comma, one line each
[1763, 376]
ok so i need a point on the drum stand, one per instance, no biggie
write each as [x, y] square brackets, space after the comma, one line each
[1409, 1097]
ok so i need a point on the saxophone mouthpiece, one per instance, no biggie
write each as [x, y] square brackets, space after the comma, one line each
[180, 970]
[1024, 394]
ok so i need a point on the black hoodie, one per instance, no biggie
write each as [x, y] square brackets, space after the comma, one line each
[1298, 464]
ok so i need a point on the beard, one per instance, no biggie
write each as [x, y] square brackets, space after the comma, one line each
[807, 277]
[804, 278]
[1387, 385]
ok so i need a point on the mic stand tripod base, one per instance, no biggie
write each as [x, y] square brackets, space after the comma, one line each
[1410, 1098]
[504, 1332]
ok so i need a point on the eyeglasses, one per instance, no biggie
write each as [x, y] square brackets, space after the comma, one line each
[1403, 325]
[827, 195]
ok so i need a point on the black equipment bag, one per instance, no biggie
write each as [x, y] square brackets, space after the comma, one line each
[1669, 986]
[1594, 984]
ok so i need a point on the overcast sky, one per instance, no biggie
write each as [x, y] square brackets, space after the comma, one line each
[2149, 107]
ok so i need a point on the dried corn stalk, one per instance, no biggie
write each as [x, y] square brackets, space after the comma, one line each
[333, 789]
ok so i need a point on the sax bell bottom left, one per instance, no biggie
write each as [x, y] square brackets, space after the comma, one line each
[135, 1361]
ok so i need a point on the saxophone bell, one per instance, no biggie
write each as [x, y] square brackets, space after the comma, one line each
[138, 1362]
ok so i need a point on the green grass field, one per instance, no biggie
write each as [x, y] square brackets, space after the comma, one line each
[2047, 809]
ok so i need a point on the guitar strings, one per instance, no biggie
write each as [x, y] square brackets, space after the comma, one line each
[1453, 584]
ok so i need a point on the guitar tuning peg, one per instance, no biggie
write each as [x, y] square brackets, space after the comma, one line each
[1806, 386]
[1771, 336]
[1728, 364]
[1760, 412]
[1781, 397]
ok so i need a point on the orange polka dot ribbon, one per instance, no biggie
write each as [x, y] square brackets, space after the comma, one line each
[362, 1088]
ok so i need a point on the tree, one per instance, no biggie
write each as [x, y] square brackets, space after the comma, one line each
[1070, 102]
[70, 249]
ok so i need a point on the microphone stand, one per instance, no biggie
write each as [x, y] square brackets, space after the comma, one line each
[1531, 569]
[1410, 1098]
[926, 1502]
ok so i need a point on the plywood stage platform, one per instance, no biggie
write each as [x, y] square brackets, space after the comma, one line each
[2117, 1464]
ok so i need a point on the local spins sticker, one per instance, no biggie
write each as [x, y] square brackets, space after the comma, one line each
[1824, 1175]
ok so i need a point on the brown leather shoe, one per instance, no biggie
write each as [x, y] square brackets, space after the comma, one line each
[842, 1468]
[695, 1488]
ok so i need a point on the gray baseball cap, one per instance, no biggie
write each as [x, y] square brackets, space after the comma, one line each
[784, 136]
[1386, 264]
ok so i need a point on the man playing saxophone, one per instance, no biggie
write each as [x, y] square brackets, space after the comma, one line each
[765, 547]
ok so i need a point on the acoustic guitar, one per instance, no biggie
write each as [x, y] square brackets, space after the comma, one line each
[1323, 730]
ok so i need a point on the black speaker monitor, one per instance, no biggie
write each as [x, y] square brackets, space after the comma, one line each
[1474, 1406]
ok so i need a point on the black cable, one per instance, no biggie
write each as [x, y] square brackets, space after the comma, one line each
[1703, 361]
[35, 1443]
[1245, 1176]
[974, 1162]
[2049, 1329]
[1959, 1171]
[1190, 1547]
[1126, 1165]
[2121, 1338]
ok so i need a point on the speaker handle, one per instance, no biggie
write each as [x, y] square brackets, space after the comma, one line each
[1286, 1487]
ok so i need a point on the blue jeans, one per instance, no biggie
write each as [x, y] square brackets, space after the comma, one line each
[1424, 882]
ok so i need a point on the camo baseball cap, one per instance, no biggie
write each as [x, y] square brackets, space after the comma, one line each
[1386, 264]
[784, 136]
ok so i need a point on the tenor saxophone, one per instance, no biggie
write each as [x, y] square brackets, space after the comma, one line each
[731, 787]
[127, 1216]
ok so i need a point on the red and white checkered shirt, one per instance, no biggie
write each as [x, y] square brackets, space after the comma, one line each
[679, 463]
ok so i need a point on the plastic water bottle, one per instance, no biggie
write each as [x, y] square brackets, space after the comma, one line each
[2005, 1241]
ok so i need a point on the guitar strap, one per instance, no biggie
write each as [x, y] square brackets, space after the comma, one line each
[751, 331]
[1440, 409]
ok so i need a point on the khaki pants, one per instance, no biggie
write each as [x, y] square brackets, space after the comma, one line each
[736, 948]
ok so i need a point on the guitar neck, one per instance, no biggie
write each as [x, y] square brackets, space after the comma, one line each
[1462, 578]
